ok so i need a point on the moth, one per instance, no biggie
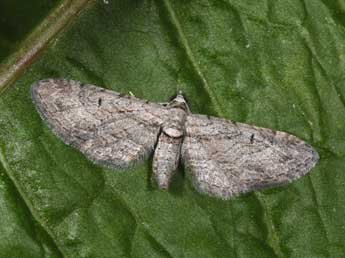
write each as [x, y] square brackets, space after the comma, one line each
[224, 157]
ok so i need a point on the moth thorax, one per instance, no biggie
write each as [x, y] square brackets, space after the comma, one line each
[174, 127]
[173, 132]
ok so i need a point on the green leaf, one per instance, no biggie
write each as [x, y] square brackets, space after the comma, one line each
[277, 64]
[20, 235]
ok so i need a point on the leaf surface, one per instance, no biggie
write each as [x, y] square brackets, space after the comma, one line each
[276, 64]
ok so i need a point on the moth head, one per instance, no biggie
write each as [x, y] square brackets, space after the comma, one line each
[179, 101]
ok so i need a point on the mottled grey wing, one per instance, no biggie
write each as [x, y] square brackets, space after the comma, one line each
[226, 158]
[109, 128]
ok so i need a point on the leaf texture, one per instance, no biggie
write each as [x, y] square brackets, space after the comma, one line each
[276, 64]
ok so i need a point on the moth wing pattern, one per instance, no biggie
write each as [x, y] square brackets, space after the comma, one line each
[226, 158]
[109, 128]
